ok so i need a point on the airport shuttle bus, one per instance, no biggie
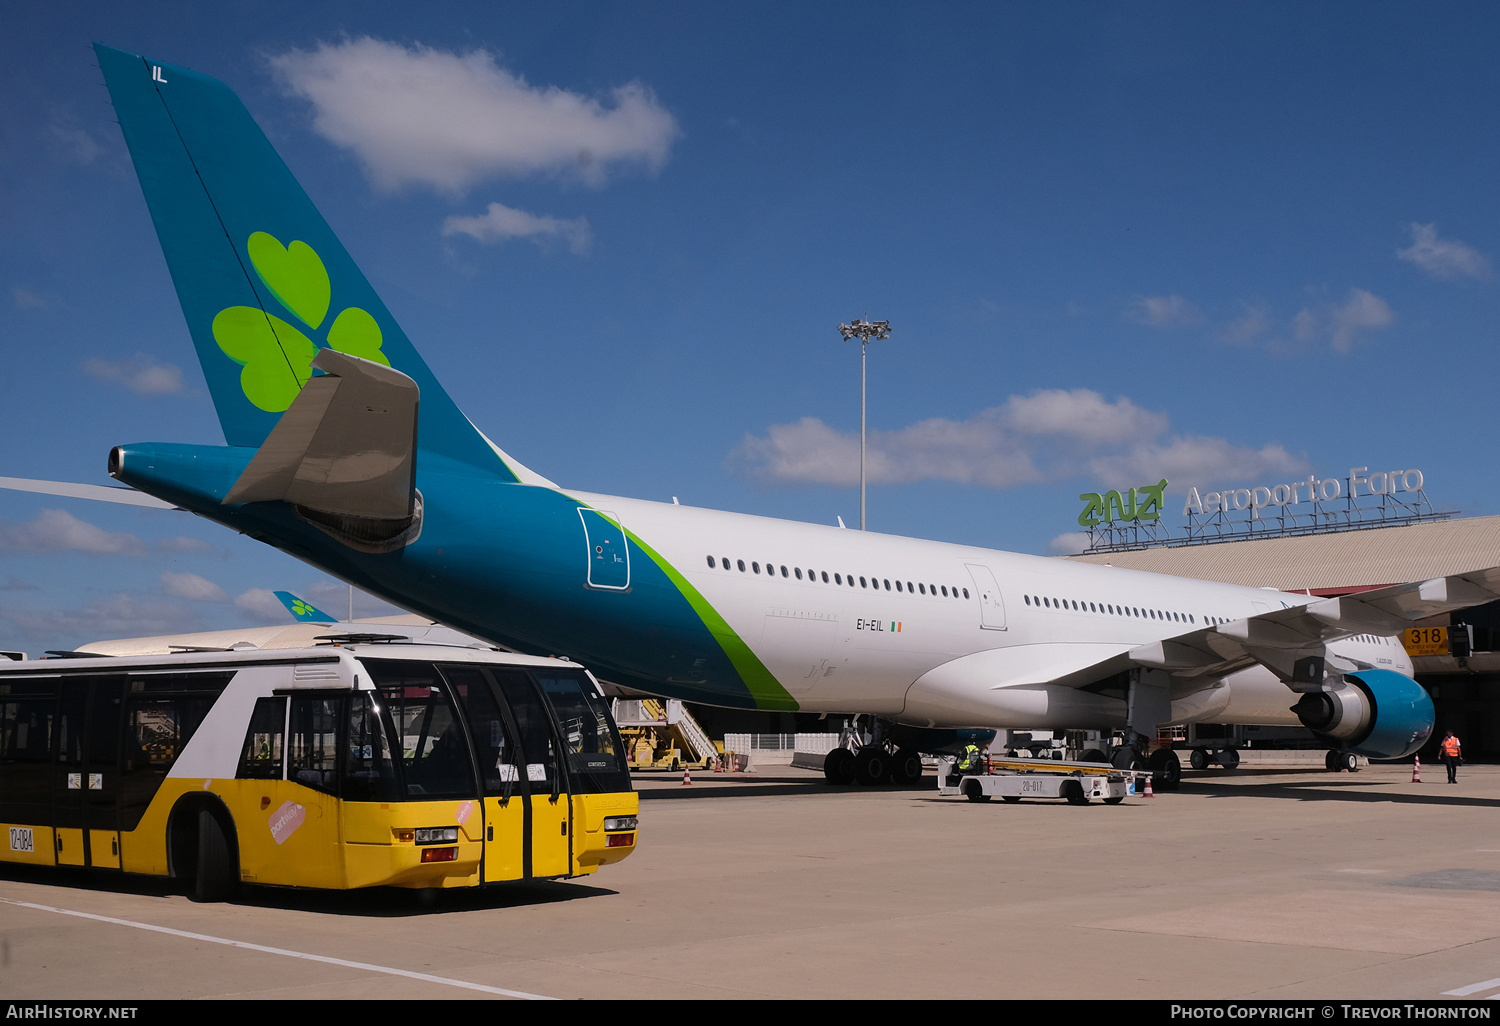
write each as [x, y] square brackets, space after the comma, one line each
[351, 765]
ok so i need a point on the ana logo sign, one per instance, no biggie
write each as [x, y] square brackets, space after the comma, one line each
[1143, 504]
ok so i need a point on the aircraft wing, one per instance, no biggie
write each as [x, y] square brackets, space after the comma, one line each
[99, 493]
[1292, 642]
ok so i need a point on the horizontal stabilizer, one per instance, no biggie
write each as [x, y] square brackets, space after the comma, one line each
[99, 493]
[346, 445]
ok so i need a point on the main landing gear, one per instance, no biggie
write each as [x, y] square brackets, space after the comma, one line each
[1341, 761]
[872, 765]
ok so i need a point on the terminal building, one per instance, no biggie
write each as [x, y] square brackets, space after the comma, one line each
[1464, 680]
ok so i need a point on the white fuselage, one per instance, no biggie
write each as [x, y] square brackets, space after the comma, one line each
[940, 634]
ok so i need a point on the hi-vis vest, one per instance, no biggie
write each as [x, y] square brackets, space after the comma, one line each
[1450, 747]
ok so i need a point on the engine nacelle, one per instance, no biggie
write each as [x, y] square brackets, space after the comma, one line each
[1380, 714]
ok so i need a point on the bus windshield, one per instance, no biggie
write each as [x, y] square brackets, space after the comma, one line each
[596, 758]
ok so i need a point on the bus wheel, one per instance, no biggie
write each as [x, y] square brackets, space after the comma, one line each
[217, 873]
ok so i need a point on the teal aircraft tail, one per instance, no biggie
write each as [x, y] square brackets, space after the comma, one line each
[302, 610]
[263, 281]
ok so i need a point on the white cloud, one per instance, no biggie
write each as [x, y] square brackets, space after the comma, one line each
[1049, 435]
[1443, 258]
[1163, 311]
[1080, 414]
[263, 605]
[418, 115]
[121, 616]
[191, 586]
[1187, 460]
[140, 374]
[1069, 544]
[56, 530]
[182, 543]
[500, 222]
[28, 300]
[1340, 323]
[76, 144]
[1255, 322]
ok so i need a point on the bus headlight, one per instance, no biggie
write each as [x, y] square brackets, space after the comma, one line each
[620, 823]
[437, 835]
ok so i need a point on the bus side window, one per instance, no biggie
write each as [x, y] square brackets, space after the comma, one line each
[261, 757]
[312, 756]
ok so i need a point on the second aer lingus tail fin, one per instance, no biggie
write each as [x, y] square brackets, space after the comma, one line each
[263, 281]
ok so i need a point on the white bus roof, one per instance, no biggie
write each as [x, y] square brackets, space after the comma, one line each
[323, 653]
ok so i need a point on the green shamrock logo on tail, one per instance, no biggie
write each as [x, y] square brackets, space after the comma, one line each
[276, 356]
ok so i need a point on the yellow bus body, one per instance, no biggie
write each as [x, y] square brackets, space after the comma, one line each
[288, 834]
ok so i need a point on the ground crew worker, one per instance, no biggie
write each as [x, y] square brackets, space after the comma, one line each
[970, 763]
[1451, 750]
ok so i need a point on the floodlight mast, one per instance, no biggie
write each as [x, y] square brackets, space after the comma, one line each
[866, 332]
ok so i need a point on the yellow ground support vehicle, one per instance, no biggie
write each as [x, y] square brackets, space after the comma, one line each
[350, 765]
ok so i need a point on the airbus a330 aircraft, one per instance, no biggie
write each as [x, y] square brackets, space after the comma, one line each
[332, 458]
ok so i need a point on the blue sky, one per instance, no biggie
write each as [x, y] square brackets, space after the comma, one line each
[1228, 244]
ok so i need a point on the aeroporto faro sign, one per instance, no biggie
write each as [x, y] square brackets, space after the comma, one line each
[1139, 504]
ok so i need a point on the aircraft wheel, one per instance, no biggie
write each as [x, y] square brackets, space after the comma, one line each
[838, 767]
[1166, 769]
[1331, 761]
[1350, 762]
[1073, 791]
[906, 768]
[1199, 758]
[1094, 755]
[1229, 758]
[871, 765]
[1125, 758]
[974, 792]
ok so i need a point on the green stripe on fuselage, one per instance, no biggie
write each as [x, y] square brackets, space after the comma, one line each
[764, 688]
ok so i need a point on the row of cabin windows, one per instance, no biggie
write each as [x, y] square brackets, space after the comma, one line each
[1046, 602]
[1154, 614]
[817, 575]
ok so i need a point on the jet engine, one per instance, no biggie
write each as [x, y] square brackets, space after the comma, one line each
[1380, 714]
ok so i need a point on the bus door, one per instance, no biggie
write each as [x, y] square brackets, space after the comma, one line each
[507, 824]
[28, 717]
[86, 785]
[549, 804]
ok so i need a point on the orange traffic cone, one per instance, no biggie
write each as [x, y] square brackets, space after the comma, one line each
[1149, 793]
[687, 775]
[1416, 769]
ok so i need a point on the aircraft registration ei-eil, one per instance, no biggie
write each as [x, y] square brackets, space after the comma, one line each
[344, 451]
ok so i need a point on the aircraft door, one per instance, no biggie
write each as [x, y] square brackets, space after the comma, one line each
[608, 554]
[991, 605]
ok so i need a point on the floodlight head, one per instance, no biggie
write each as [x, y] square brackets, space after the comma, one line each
[866, 331]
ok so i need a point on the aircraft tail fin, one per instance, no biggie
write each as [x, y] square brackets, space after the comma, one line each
[302, 610]
[263, 281]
